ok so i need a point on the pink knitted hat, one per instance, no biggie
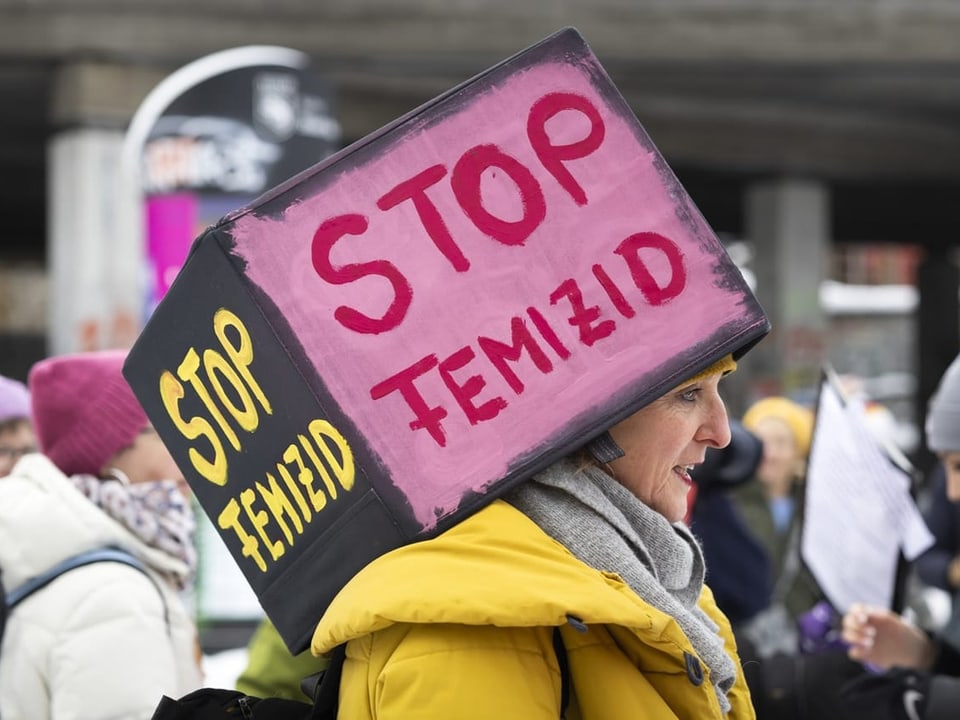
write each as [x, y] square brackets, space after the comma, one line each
[83, 409]
[14, 399]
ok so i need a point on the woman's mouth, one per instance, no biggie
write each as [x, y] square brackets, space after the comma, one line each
[684, 472]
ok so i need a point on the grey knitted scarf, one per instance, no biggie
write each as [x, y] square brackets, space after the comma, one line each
[607, 527]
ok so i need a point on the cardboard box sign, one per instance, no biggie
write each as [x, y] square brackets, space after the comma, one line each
[377, 348]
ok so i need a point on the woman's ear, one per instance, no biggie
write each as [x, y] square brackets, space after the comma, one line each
[119, 465]
[117, 474]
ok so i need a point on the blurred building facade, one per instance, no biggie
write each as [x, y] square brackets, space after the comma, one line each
[823, 137]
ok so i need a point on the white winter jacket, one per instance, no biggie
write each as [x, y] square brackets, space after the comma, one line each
[101, 642]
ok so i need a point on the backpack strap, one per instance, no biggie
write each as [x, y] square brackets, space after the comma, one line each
[560, 649]
[326, 695]
[106, 554]
[3, 608]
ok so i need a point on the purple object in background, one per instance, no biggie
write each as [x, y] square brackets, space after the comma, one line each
[171, 227]
[818, 629]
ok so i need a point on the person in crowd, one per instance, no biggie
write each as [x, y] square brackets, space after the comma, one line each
[16, 429]
[738, 568]
[580, 593]
[272, 670]
[772, 507]
[916, 676]
[939, 566]
[105, 640]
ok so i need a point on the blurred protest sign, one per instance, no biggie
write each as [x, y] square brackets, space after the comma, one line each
[374, 350]
[859, 511]
[217, 133]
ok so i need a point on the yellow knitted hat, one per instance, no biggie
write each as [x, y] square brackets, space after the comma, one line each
[724, 365]
[798, 418]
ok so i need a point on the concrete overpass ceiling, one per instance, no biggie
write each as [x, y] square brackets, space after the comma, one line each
[864, 93]
[801, 30]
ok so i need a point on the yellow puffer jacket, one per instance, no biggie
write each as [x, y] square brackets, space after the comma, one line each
[461, 626]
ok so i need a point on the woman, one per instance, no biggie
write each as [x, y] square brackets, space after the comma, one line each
[464, 625]
[772, 507]
[16, 430]
[939, 565]
[917, 676]
[737, 564]
[105, 640]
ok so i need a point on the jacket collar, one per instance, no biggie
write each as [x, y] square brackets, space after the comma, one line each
[495, 568]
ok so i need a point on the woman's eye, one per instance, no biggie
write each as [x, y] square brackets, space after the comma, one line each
[689, 395]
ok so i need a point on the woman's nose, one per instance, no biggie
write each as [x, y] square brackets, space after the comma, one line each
[716, 427]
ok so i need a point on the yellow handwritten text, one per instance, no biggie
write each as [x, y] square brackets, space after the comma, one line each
[208, 375]
[268, 517]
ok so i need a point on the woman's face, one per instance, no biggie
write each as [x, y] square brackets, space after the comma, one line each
[951, 463]
[781, 456]
[16, 440]
[147, 460]
[665, 439]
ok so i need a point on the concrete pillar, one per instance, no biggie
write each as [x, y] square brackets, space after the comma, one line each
[788, 222]
[95, 263]
[94, 237]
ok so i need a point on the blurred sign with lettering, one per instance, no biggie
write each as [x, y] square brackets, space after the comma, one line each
[217, 133]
